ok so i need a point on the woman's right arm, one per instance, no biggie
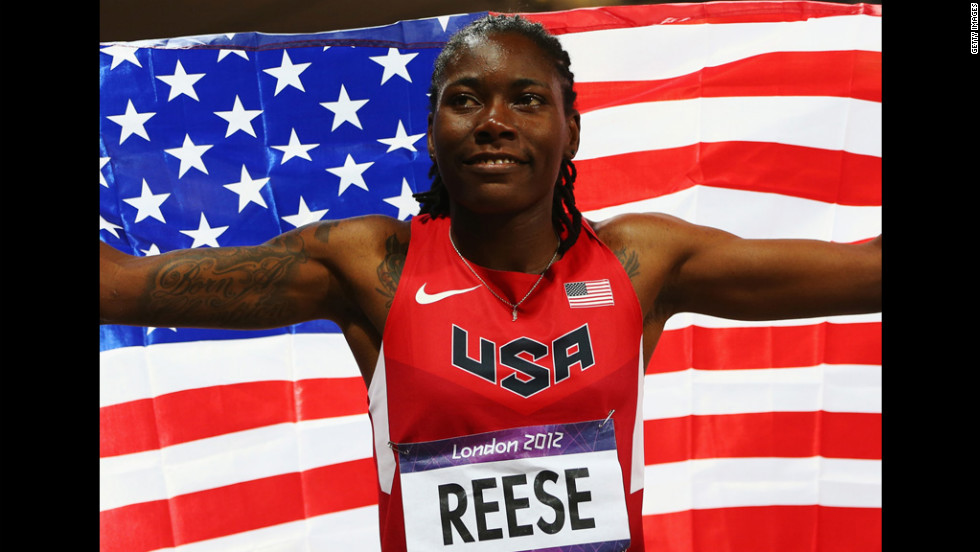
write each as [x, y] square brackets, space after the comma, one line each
[284, 281]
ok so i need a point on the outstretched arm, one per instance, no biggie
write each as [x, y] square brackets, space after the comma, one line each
[690, 268]
[776, 279]
[300, 275]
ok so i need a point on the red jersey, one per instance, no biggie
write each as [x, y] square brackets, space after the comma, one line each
[509, 435]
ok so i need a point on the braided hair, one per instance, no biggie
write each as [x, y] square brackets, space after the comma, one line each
[566, 218]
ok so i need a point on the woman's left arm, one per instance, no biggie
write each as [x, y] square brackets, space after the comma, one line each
[722, 275]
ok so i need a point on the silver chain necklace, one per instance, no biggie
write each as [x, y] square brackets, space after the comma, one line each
[504, 301]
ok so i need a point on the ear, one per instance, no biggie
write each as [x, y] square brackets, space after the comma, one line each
[574, 133]
[428, 138]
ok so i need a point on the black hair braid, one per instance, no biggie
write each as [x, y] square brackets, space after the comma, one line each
[435, 201]
[564, 214]
[566, 217]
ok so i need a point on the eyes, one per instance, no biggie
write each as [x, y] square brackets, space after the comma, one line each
[466, 101]
[532, 100]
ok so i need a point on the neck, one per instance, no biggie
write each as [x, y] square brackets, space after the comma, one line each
[505, 242]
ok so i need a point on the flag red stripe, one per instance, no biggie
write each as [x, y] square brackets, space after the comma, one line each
[764, 434]
[613, 17]
[356, 482]
[136, 528]
[185, 416]
[765, 529]
[822, 175]
[767, 347]
[850, 74]
[331, 397]
[127, 428]
[236, 508]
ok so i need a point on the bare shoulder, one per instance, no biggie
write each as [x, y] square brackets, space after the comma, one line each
[649, 246]
[653, 236]
[632, 227]
[360, 230]
[340, 242]
[367, 254]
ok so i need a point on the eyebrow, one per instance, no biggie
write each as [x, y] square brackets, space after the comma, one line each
[474, 82]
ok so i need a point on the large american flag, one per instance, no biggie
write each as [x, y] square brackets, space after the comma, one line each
[760, 118]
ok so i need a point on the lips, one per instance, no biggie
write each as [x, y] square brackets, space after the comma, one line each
[493, 160]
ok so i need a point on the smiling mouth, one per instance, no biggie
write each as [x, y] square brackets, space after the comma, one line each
[493, 161]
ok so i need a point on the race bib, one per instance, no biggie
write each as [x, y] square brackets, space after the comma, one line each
[554, 487]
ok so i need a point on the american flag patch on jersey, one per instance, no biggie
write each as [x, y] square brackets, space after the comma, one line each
[596, 293]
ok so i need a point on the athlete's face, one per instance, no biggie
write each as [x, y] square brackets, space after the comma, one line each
[500, 132]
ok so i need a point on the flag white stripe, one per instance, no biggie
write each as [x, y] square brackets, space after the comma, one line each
[826, 387]
[613, 54]
[131, 373]
[740, 482]
[354, 529]
[759, 214]
[218, 461]
[822, 122]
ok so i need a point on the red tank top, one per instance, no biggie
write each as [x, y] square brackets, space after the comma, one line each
[500, 434]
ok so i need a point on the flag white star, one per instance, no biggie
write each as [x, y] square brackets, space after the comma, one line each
[222, 54]
[444, 21]
[239, 118]
[345, 109]
[205, 235]
[394, 63]
[106, 225]
[181, 83]
[103, 161]
[304, 216]
[189, 155]
[131, 122]
[351, 174]
[401, 139]
[287, 74]
[248, 190]
[148, 204]
[120, 54]
[407, 205]
[294, 148]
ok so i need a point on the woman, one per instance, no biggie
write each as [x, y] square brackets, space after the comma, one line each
[501, 336]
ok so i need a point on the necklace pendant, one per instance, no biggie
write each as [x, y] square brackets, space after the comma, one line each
[514, 319]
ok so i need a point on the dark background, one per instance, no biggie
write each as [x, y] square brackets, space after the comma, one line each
[124, 20]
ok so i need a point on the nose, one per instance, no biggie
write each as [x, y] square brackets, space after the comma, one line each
[496, 124]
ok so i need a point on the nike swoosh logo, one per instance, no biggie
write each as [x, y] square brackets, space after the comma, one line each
[423, 298]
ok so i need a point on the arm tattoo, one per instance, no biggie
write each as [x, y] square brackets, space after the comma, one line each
[232, 287]
[322, 233]
[390, 269]
[630, 261]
